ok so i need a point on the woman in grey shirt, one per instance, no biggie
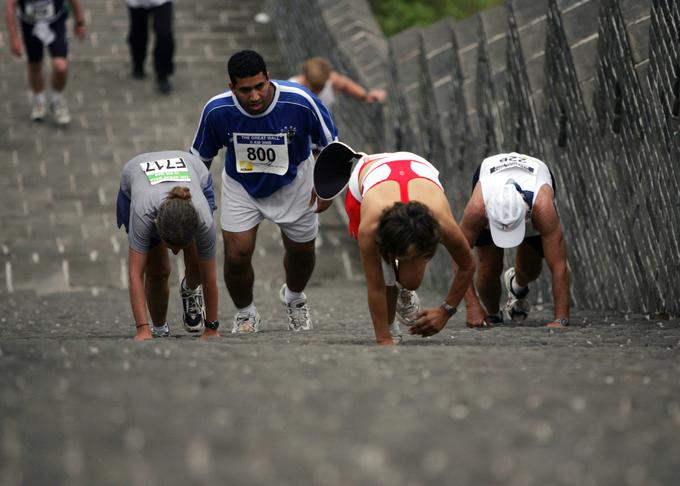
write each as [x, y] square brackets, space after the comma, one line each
[166, 202]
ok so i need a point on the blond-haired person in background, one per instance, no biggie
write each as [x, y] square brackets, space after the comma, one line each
[321, 79]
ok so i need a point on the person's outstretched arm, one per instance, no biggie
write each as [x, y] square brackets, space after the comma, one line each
[472, 224]
[375, 285]
[136, 266]
[431, 321]
[351, 88]
[547, 222]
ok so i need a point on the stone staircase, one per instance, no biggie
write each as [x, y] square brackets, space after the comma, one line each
[57, 227]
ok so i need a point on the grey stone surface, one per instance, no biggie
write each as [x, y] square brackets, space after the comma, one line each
[81, 403]
[594, 404]
[57, 230]
[589, 86]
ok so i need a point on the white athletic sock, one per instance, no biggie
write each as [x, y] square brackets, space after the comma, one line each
[249, 309]
[56, 96]
[40, 97]
[291, 296]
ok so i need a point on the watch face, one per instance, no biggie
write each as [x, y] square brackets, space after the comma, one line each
[212, 325]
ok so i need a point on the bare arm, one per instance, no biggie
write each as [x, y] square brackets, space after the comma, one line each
[433, 320]
[375, 283]
[321, 205]
[472, 224]
[11, 15]
[79, 20]
[351, 88]
[136, 266]
[547, 222]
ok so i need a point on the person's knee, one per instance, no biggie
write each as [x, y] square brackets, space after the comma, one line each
[528, 265]
[530, 273]
[410, 276]
[488, 270]
[35, 67]
[301, 254]
[164, 36]
[60, 66]
[412, 282]
[237, 259]
[158, 274]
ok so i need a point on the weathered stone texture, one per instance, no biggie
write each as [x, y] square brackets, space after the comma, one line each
[592, 87]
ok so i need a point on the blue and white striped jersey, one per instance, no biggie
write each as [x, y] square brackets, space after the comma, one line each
[263, 151]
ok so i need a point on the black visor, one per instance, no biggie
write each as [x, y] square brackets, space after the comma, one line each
[333, 169]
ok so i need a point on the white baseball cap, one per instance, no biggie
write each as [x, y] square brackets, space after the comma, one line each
[506, 210]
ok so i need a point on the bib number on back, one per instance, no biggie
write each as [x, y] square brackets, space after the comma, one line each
[261, 153]
[39, 9]
[514, 162]
[164, 170]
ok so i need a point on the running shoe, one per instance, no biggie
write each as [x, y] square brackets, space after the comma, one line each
[161, 331]
[395, 332]
[38, 109]
[60, 111]
[245, 322]
[164, 86]
[408, 306]
[297, 311]
[517, 306]
[193, 308]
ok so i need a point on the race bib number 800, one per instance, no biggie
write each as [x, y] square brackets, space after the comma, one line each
[165, 170]
[261, 153]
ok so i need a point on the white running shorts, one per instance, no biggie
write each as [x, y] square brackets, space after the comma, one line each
[288, 207]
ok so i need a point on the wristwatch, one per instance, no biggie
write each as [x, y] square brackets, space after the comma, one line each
[450, 310]
[212, 324]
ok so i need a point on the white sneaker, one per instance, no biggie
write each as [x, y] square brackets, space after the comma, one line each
[395, 332]
[408, 306]
[60, 111]
[517, 306]
[38, 109]
[297, 311]
[245, 322]
[193, 307]
[159, 332]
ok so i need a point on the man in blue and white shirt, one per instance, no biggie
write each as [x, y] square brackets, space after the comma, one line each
[267, 127]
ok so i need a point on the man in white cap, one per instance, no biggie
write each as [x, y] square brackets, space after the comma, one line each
[513, 205]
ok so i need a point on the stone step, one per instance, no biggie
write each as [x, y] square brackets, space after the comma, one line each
[58, 227]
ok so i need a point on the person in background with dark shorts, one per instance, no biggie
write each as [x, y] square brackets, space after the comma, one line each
[513, 206]
[164, 45]
[43, 24]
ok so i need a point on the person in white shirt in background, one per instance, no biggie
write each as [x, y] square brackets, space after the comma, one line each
[321, 79]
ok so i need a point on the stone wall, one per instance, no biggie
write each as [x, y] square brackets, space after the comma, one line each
[590, 86]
